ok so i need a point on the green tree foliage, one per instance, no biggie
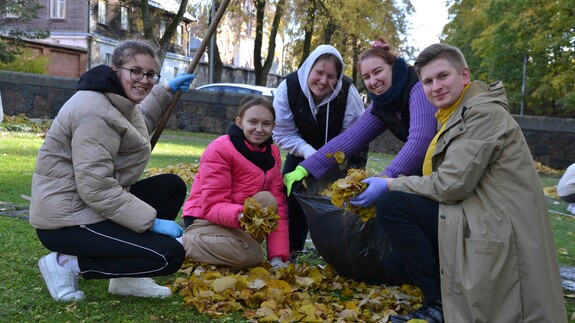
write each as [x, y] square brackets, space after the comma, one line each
[499, 36]
[19, 13]
[26, 62]
[350, 26]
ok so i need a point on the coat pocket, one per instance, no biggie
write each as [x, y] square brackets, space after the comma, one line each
[483, 260]
[487, 268]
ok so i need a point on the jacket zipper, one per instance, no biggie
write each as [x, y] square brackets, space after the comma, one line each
[264, 183]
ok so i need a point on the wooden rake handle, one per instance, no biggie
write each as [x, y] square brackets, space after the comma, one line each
[191, 68]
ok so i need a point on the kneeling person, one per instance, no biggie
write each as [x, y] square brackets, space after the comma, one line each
[243, 163]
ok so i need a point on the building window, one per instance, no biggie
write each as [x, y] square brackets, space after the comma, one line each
[124, 17]
[57, 9]
[176, 70]
[108, 59]
[102, 12]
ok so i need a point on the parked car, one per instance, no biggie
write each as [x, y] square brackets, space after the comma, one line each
[238, 88]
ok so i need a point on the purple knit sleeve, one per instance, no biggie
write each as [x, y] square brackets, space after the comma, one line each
[422, 129]
[350, 142]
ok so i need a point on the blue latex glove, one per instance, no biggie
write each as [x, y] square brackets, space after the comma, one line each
[375, 186]
[182, 82]
[296, 175]
[167, 227]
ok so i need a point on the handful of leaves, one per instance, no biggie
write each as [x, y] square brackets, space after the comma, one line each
[258, 220]
[348, 187]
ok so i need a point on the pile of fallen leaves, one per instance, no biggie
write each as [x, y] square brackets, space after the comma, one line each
[258, 220]
[342, 190]
[548, 170]
[298, 293]
[551, 191]
[186, 171]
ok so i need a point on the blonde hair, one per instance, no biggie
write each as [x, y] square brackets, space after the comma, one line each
[432, 52]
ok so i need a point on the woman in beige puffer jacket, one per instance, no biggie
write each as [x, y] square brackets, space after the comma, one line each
[88, 206]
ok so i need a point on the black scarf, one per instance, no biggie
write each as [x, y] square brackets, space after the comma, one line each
[101, 79]
[264, 160]
[389, 101]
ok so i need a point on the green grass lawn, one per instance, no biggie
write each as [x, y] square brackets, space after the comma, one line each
[23, 295]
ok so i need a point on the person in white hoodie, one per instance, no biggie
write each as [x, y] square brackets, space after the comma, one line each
[566, 188]
[313, 104]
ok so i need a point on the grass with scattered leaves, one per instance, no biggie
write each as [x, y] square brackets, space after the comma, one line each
[23, 295]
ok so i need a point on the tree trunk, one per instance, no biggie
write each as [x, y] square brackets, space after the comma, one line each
[329, 30]
[308, 31]
[218, 65]
[260, 13]
[261, 71]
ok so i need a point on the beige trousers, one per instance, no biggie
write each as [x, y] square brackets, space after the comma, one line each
[214, 244]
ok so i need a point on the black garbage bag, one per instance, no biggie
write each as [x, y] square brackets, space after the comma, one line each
[354, 249]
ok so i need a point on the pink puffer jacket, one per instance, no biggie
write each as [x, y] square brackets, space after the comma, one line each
[225, 180]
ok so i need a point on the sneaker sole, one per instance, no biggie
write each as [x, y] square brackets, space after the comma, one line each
[131, 292]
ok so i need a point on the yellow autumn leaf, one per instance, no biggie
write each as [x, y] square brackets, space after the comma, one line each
[221, 284]
[259, 272]
[282, 285]
[563, 251]
[257, 284]
[304, 281]
[307, 310]
[315, 274]
[339, 157]
[269, 318]
[265, 311]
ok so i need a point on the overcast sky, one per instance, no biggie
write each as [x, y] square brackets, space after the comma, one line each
[427, 22]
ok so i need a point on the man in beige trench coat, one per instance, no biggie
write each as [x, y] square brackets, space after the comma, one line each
[473, 232]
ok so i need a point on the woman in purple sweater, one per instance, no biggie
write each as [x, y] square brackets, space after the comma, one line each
[398, 104]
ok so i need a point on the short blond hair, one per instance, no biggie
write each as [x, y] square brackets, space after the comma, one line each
[436, 51]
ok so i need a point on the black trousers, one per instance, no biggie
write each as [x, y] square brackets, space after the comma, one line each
[298, 227]
[109, 250]
[569, 198]
[410, 223]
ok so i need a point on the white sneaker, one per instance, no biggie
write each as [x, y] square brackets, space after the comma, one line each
[140, 286]
[571, 208]
[62, 283]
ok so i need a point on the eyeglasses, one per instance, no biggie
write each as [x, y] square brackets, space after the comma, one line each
[137, 75]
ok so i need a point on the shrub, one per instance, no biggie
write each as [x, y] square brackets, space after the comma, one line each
[27, 62]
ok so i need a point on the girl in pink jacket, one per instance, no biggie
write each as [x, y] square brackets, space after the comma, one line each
[241, 164]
